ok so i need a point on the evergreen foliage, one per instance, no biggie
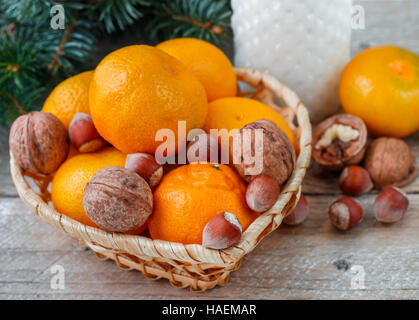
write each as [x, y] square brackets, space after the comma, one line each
[207, 20]
[34, 57]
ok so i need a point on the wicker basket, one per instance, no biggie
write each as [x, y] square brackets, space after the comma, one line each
[187, 265]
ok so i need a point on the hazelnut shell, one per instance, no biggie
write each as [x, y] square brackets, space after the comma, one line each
[355, 180]
[38, 142]
[344, 154]
[278, 153]
[262, 193]
[300, 212]
[146, 167]
[83, 134]
[117, 199]
[390, 205]
[346, 213]
[390, 162]
[222, 231]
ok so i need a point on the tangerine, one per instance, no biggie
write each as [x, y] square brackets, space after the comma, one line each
[207, 62]
[235, 112]
[137, 90]
[73, 175]
[381, 86]
[69, 97]
[190, 195]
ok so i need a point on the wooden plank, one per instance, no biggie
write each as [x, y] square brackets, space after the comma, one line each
[7, 188]
[293, 262]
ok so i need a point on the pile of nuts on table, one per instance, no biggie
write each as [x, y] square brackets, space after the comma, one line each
[341, 144]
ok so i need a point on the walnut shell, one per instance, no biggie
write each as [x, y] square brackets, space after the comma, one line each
[117, 199]
[38, 141]
[340, 153]
[390, 162]
[278, 153]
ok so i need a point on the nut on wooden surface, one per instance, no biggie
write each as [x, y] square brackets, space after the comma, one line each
[345, 213]
[355, 180]
[390, 162]
[390, 205]
[339, 141]
[38, 141]
[117, 199]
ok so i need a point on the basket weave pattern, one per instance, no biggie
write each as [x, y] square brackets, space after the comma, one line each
[187, 265]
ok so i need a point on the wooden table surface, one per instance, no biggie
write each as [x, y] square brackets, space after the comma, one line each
[312, 261]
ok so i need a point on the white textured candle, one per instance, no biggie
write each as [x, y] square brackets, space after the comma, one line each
[304, 43]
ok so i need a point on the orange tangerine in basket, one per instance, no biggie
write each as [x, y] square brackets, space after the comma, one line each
[138, 90]
[73, 175]
[190, 195]
[208, 63]
[236, 112]
[69, 97]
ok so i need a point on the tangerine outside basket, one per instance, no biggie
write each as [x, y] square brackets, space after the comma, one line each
[187, 265]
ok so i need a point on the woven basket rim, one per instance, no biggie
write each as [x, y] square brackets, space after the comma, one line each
[145, 247]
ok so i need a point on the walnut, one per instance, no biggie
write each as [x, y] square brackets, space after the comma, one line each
[390, 162]
[117, 199]
[38, 141]
[277, 152]
[339, 141]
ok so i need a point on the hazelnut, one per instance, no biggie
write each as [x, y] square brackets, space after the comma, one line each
[300, 212]
[390, 205]
[355, 180]
[117, 199]
[203, 148]
[346, 213]
[146, 167]
[83, 134]
[38, 141]
[273, 156]
[339, 141]
[262, 193]
[390, 162]
[222, 231]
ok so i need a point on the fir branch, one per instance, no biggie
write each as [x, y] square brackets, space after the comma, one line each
[20, 73]
[55, 61]
[37, 12]
[19, 62]
[15, 103]
[205, 19]
[27, 11]
[117, 14]
[69, 51]
[18, 101]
